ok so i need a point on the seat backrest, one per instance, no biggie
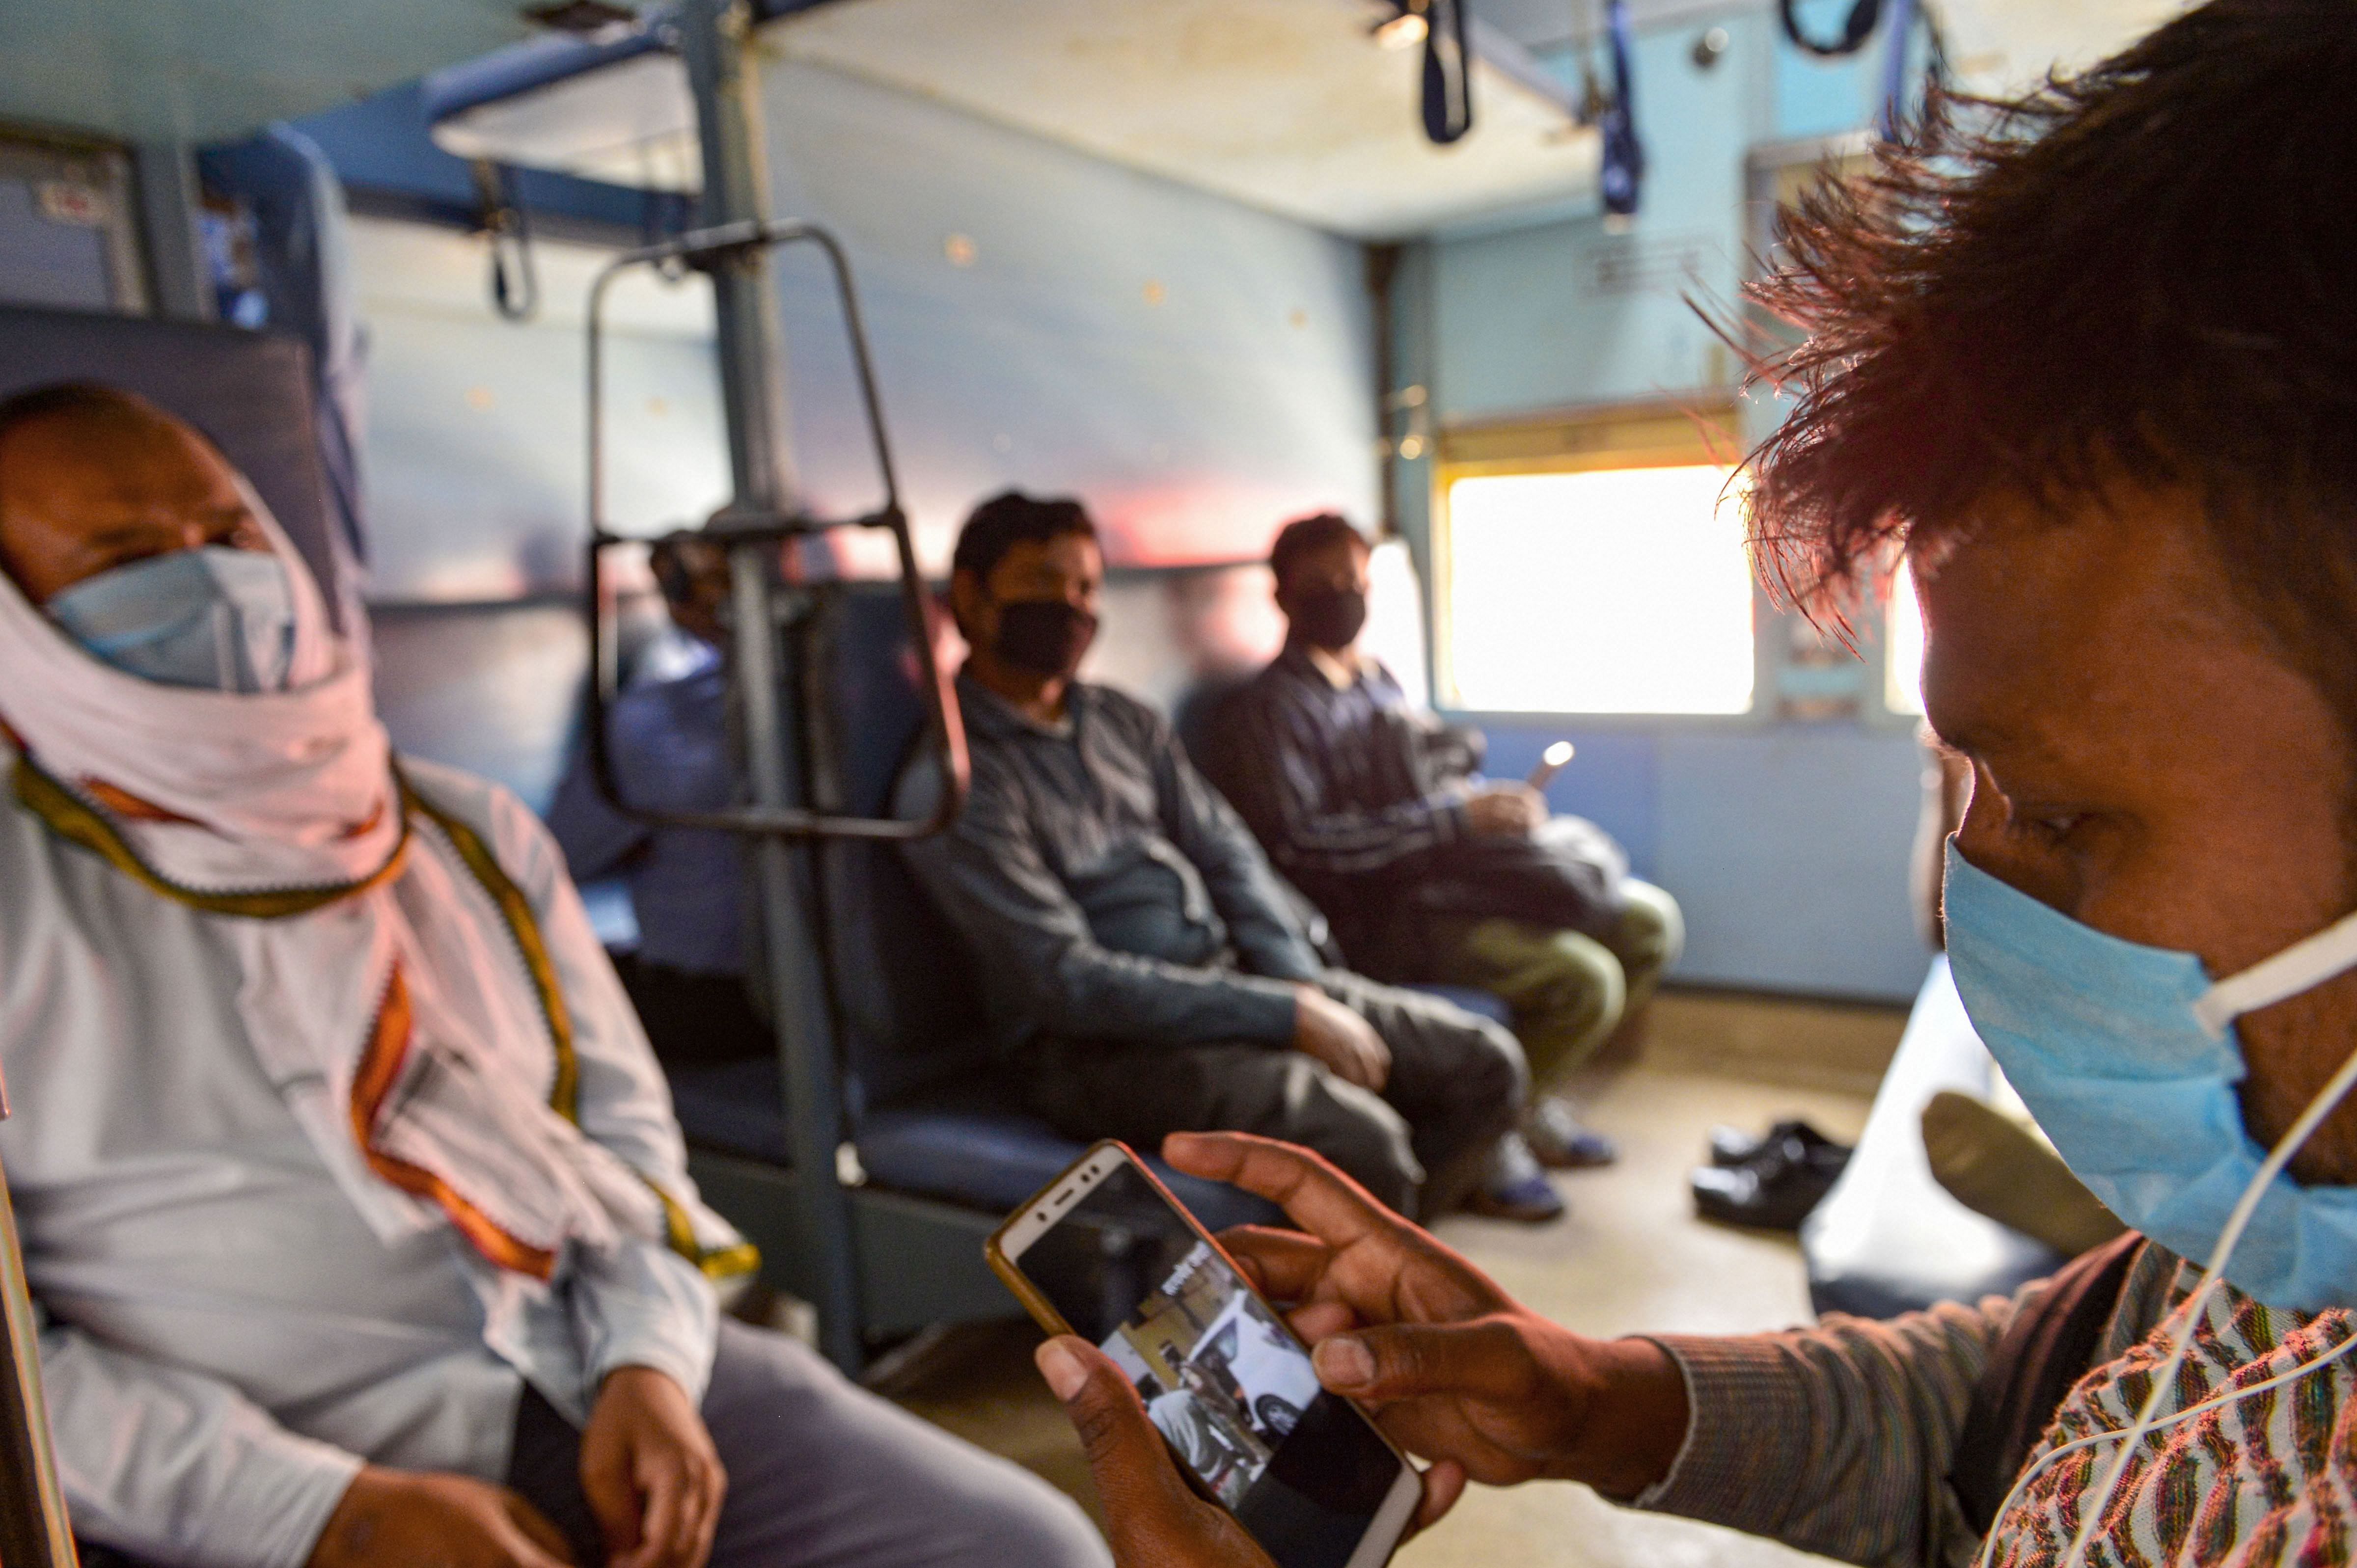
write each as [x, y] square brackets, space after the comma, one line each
[249, 391]
[904, 989]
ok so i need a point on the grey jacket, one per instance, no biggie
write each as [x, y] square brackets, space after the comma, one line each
[1107, 892]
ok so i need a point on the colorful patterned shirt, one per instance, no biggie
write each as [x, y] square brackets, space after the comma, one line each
[1838, 1439]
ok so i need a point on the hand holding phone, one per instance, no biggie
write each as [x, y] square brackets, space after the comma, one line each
[1551, 762]
[1171, 1340]
[1457, 1370]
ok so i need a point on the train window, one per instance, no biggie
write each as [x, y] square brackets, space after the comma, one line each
[1609, 590]
[1902, 645]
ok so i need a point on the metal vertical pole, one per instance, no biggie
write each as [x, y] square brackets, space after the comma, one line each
[166, 176]
[714, 35]
[33, 1530]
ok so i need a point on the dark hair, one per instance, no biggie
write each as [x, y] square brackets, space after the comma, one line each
[1306, 536]
[71, 400]
[1010, 517]
[2140, 273]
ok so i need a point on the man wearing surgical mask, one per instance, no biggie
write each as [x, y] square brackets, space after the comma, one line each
[1144, 971]
[2092, 362]
[347, 1186]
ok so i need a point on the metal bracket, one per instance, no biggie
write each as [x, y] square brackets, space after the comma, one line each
[33, 1530]
[739, 528]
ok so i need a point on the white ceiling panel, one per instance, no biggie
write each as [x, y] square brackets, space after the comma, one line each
[1288, 105]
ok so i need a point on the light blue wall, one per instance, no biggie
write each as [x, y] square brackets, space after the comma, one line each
[1196, 369]
[1787, 844]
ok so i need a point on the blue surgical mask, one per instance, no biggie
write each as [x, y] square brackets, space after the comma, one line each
[2127, 1055]
[211, 616]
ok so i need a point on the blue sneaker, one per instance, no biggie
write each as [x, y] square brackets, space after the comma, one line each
[1515, 1186]
[1561, 1140]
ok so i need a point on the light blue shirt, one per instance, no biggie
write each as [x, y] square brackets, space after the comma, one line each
[228, 1340]
[668, 732]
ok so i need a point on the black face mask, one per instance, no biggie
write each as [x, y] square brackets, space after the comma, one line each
[1331, 617]
[1046, 636]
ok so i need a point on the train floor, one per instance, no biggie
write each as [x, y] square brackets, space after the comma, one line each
[1631, 1256]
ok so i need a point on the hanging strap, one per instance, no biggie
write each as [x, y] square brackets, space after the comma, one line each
[1448, 72]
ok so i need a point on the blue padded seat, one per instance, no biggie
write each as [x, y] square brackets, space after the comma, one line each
[1888, 1238]
[962, 1143]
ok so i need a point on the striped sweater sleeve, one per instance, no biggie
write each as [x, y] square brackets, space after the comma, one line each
[1306, 791]
[1835, 1439]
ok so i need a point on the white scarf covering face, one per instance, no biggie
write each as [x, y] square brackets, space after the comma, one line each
[399, 1021]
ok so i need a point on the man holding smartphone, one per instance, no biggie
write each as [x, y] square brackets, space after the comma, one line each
[1427, 871]
[2091, 363]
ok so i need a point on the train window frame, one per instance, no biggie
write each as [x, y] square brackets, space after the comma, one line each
[1698, 433]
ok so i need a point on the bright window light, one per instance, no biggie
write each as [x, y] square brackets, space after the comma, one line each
[1902, 643]
[1619, 591]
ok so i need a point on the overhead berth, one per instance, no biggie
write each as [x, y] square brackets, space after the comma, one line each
[1288, 105]
[195, 71]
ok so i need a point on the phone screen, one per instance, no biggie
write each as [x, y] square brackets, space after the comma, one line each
[1223, 1379]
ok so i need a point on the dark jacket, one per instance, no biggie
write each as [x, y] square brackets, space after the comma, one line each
[1107, 892]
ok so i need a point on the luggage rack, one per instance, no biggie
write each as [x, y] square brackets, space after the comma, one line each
[746, 533]
[802, 1214]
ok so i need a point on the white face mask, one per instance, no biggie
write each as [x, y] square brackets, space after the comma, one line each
[215, 617]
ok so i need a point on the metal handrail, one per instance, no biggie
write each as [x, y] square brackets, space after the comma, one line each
[35, 1532]
[738, 528]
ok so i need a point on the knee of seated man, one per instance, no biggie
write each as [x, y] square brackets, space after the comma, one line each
[1369, 1141]
[1028, 1521]
[1491, 1066]
[1652, 930]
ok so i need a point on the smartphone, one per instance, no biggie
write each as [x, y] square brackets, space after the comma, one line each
[1107, 1252]
[1551, 762]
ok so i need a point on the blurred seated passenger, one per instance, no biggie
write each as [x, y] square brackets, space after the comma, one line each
[667, 738]
[1144, 970]
[349, 1189]
[1427, 871]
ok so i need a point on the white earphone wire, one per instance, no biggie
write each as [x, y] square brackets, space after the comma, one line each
[2213, 1276]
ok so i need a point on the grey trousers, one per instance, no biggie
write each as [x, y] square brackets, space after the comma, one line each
[1457, 1085]
[823, 1474]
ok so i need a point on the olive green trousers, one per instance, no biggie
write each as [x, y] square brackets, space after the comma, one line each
[1567, 990]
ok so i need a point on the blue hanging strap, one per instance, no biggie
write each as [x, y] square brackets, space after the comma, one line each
[1624, 155]
[1447, 71]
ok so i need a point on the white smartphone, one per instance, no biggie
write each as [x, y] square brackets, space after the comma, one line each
[1551, 762]
[1107, 1252]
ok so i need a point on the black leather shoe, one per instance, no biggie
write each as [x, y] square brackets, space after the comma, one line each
[1775, 1190]
[1733, 1147]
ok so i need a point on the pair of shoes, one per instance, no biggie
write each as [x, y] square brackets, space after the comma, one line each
[1786, 1176]
[1733, 1147]
[1561, 1140]
[1515, 1187]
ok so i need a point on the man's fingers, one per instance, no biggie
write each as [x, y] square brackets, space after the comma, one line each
[1319, 1199]
[1485, 1359]
[1285, 1265]
[663, 1534]
[1321, 1320]
[612, 1493]
[532, 1540]
[1443, 1485]
[1143, 1494]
